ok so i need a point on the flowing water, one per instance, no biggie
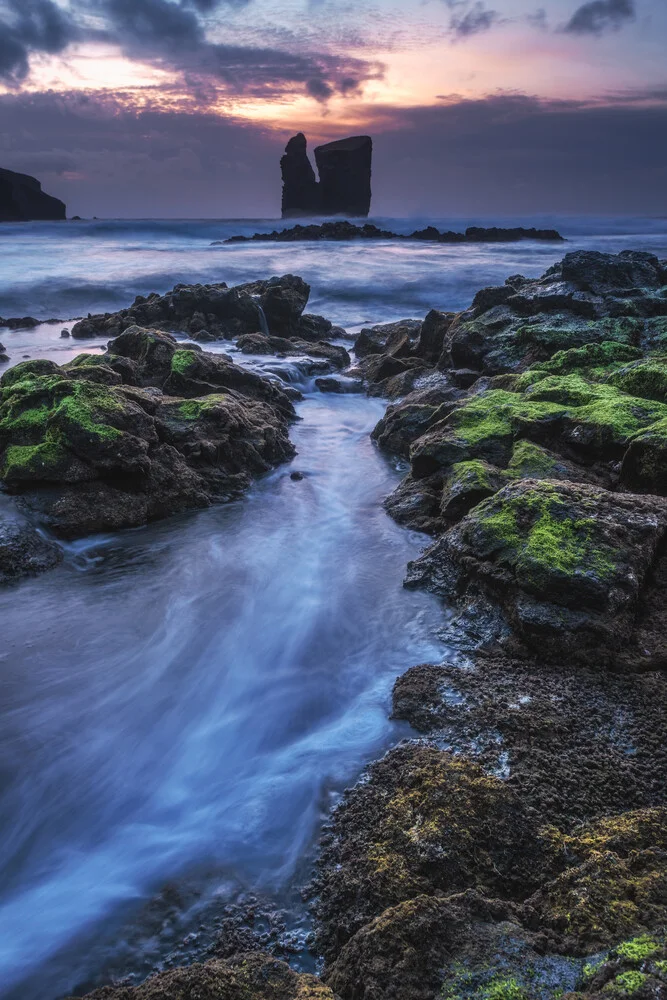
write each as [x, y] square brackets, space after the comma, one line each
[186, 700]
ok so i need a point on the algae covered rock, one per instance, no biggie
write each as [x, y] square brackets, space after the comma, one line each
[614, 884]
[425, 821]
[88, 456]
[587, 298]
[565, 562]
[252, 976]
[456, 947]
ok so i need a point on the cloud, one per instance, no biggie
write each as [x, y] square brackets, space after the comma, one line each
[598, 16]
[473, 20]
[30, 26]
[173, 36]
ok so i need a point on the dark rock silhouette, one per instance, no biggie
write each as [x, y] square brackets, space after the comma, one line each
[345, 175]
[301, 192]
[22, 200]
[345, 230]
[344, 187]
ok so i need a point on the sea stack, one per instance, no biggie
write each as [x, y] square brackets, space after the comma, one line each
[301, 192]
[22, 200]
[344, 187]
[345, 176]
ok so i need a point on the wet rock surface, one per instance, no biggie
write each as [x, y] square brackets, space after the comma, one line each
[145, 431]
[516, 851]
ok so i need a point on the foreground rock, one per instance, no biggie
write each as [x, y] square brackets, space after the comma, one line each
[533, 425]
[422, 827]
[22, 200]
[339, 231]
[140, 433]
[566, 564]
[251, 976]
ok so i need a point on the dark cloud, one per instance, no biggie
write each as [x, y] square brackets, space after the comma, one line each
[506, 155]
[30, 26]
[473, 20]
[599, 16]
[174, 36]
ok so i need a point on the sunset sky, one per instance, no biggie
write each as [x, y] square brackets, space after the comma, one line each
[182, 107]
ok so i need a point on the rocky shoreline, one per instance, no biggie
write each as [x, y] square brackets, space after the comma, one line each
[348, 231]
[516, 850]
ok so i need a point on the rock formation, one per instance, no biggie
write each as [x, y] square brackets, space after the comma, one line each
[345, 175]
[344, 187]
[301, 192]
[343, 230]
[22, 200]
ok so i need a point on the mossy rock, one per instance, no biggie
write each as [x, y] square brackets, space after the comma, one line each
[614, 888]
[467, 484]
[460, 947]
[636, 968]
[252, 976]
[425, 821]
[565, 562]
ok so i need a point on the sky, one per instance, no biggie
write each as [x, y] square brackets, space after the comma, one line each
[181, 108]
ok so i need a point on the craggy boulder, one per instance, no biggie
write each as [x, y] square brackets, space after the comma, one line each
[89, 456]
[566, 563]
[586, 298]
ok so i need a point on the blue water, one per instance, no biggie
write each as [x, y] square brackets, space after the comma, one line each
[193, 694]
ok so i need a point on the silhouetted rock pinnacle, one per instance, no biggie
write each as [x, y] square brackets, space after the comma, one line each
[344, 187]
[22, 200]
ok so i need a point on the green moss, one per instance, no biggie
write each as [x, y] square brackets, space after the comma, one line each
[502, 989]
[530, 461]
[646, 379]
[615, 885]
[638, 949]
[86, 361]
[182, 361]
[661, 966]
[626, 983]
[561, 334]
[89, 408]
[591, 968]
[32, 462]
[534, 533]
[587, 359]
[498, 413]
